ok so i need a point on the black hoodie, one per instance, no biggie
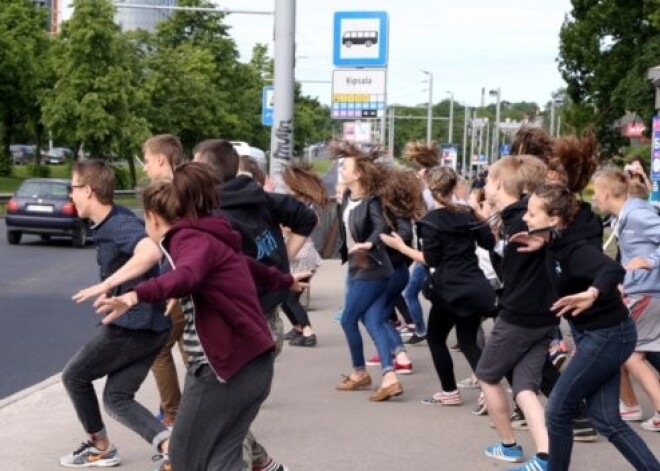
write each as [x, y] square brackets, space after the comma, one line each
[257, 216]
[527, 294]
[575, 261]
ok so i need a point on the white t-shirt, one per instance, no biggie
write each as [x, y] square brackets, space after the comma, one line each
[350, 242]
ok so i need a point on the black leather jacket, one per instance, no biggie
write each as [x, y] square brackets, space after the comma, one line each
[366, 223]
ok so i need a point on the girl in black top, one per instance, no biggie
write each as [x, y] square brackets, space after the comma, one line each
[461, 294]
[585, 281]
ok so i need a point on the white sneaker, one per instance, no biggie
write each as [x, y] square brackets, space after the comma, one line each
[444, 398]
[468, 383]
[630, 414]
[653, 424]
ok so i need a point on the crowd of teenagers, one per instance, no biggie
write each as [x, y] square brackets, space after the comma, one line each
[520, 247]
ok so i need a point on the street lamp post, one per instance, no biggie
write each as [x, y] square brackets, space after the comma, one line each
[450, 134]
[496, 129]
[429, 118]
[466, 119]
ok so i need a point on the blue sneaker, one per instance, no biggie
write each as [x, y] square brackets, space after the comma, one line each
[511, 454]
[533, 464]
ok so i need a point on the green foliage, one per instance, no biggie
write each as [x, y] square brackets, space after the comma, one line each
[38, 170]
[606, 47]
[122, 177]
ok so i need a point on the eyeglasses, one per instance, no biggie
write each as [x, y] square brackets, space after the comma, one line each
[71, 187]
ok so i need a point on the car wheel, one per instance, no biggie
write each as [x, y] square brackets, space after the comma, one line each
[80, 237]
[14, 237]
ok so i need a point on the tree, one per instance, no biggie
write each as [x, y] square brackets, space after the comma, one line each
[95, 84]
[606, 47]
[23, 46]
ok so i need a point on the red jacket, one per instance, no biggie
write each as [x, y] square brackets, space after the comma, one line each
[210, 267]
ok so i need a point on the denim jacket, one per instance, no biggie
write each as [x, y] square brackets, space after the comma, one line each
[366, 223]
[639, 236]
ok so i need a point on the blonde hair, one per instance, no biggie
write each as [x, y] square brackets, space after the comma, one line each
[616, 181]
[519, 174]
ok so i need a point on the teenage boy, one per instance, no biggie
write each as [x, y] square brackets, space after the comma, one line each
[525, 325]
[639, 244]
[258, 217]
[124, 350]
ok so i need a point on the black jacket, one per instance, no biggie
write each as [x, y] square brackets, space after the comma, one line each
[257, 216]
[526, 296]
[575, 261]
[403, 227]
[448, 240]
[366, 223]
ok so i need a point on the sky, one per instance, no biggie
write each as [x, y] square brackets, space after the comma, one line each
[508, 44]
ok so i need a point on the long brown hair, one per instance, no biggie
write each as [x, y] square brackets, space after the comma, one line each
[401, 195]
[576, 159]
[305, 184]
[421, 154]
[190, 194]
[442, 183]
[371, 177]
[532, 141]
[558, 200]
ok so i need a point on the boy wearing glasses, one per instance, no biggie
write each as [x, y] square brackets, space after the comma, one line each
[124, 350]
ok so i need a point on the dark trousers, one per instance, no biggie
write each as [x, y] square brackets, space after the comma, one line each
[294, 311]
[214, 417]
[125, 357]
[441, 320]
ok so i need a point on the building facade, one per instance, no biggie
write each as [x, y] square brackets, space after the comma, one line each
[130, 19]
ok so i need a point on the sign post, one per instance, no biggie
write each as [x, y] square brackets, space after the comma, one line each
[654, 197]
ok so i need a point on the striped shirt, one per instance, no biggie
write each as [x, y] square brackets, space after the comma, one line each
[191, 344]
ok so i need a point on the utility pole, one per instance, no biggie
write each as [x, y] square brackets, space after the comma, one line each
[281, 137]
[465, 128]
[450, 138]
[390, 134]
[496, 129]
[429, 122]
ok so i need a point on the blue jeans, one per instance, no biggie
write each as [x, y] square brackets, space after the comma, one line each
[411, 295]
[395, 284]
[365, 301]
[594, 375]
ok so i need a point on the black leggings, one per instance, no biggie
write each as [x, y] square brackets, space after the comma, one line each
[401, 306]
[294, 311]
[442, 319]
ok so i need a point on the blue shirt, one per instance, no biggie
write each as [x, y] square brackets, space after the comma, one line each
[116, 237]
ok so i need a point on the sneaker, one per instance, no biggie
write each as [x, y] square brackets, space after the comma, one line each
[653, 424]
[374, 361]
[292, 334]
[481, 406]
[558, 358]
[165, 464]
[303, 341]
[583, 431]
[444, 398]
[88, 456]
[533, 464]
[271, 465]
[510, 454]
[518, 421]
[416, 339]
[468, 383]
[630, 414]
[403, 369]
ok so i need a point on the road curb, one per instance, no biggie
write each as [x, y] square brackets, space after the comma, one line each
[19, 396]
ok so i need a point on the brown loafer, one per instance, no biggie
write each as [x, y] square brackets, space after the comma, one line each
[383, 394]
[349, 384]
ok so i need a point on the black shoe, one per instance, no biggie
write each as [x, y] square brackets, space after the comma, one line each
[415, 339]
[583, 431]
[292, 334]
[304, 341]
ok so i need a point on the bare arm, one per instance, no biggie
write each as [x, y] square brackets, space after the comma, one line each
[395, 241]
[145, 256]
[293, 244]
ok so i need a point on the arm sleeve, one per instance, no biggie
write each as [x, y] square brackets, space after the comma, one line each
[483, 234]
[268, 277]
[404, 229]
[130, 231]
[588, 262]
[431, 244]
[378, 224]
[293, 214]
[193, 264]
[648, 223]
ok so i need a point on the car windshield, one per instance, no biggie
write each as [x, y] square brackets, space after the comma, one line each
[43, 190]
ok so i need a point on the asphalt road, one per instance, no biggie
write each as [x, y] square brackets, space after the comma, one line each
[40, 326]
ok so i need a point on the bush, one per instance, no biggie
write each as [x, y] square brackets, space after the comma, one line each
[122, 177]
[39, 171]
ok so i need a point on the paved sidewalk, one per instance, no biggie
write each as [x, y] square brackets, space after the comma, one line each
[305, 423]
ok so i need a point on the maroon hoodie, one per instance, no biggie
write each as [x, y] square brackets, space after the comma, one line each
[210, 267]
